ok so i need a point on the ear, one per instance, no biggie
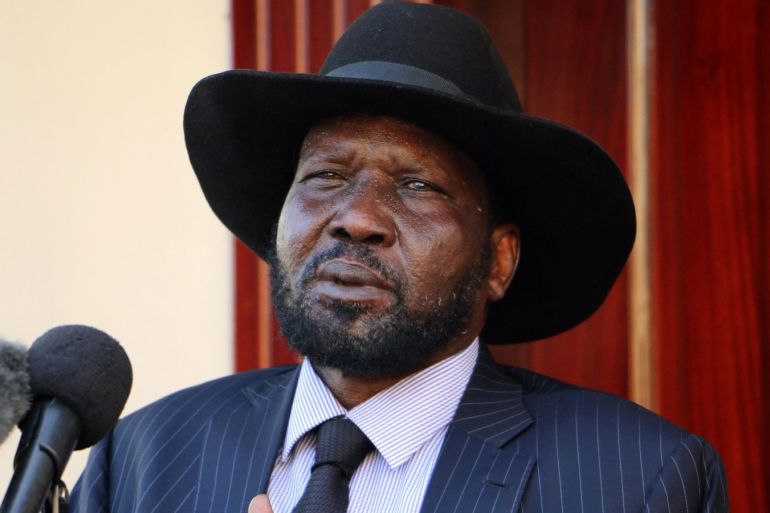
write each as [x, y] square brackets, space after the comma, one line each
[505, 243]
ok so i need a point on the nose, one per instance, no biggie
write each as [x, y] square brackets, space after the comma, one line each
[364, 216]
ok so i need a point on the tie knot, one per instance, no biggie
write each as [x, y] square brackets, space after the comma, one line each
[340, 442]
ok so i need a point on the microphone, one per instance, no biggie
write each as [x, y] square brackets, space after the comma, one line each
[80, 378]
[15, 395]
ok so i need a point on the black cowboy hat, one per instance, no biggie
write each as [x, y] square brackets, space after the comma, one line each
[438, 68]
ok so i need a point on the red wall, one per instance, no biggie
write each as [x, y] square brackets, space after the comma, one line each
[711, 248]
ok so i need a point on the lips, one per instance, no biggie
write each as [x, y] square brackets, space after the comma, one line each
[350, 281]
[351, 274]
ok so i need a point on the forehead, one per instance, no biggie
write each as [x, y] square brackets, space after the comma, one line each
[345, 135]
[385, 128]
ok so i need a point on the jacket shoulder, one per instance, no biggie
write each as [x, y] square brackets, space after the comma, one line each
[158, 448]
[547, 397]
[199, 401]
[612, 453]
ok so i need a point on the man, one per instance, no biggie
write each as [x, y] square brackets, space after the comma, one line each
[408, 210]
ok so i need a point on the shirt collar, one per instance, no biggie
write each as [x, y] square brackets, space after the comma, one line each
[313, 405]
[399, 419]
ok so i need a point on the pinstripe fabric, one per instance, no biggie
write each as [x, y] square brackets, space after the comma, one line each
[406, 423]
[519, 442]
[202, 449]
[613, 456]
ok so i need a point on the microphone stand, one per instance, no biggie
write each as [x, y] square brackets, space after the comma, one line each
[49, 435]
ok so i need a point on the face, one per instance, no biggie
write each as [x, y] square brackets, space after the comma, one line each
[383, 255]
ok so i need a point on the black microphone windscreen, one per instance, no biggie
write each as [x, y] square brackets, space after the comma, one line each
[85, 369]
[15, 395]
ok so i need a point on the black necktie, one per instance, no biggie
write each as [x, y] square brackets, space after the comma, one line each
[340, 448]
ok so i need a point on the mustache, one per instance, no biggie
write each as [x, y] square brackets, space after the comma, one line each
[359, 253]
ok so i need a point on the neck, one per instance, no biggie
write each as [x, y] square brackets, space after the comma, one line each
[351, 391]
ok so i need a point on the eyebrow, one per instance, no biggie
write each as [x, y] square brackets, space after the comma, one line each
[337, 153]
[415, 166]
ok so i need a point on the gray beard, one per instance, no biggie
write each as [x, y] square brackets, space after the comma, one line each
[395, 342]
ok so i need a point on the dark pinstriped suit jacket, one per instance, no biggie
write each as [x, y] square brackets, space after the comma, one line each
[520, 442]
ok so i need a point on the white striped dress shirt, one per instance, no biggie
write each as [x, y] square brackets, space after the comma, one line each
[406, 423]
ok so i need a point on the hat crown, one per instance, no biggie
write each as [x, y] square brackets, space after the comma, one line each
[441, 43]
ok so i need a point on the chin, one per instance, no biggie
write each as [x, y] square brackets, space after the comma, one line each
[364, 345]
[371, 339]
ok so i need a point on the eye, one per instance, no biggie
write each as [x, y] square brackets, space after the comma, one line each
[417, 185]
[325, 175]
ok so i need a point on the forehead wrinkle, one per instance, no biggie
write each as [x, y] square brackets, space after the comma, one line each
[339, 152]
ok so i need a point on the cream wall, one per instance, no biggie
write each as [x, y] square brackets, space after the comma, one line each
[101, 219]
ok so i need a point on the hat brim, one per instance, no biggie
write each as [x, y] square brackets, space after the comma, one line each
[243, 130]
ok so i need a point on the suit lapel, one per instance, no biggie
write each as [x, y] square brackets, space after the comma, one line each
[477, 470]
[242, 443]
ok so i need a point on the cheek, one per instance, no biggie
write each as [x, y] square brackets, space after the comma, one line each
[439, 252]
[297, 230]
